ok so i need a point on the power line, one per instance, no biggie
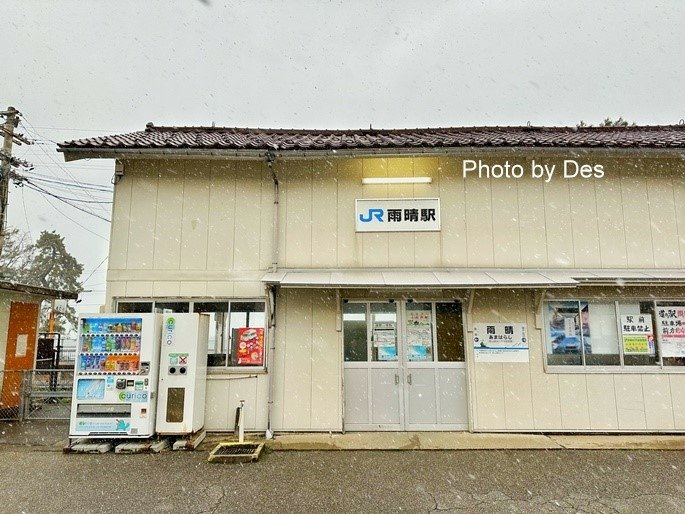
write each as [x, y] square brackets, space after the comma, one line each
[74, 221]
[66, 201]
[53, 160]
[93, 272]
[77, 129]
[26, 217]
[82, 185]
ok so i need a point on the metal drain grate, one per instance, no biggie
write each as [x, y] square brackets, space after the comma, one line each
[236, 452]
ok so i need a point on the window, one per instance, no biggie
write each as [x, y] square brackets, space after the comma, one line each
[450, 332]
[217, 341]
[134, 307]
[236, 328]
[354, 331]
[171, 307]
[615, 333]
[428, 331]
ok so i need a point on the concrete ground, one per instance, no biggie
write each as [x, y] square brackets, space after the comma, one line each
[52, 435]
[39, 478]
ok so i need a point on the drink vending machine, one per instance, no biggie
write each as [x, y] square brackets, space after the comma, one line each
[115, 376]
[182, 374]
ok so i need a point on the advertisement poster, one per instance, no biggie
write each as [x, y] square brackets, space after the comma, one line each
[387, 353]
[671, 326]
[419, 335]
[564, 327]
[250, 346]
[90, 389]
[500, 342]
[638, 335]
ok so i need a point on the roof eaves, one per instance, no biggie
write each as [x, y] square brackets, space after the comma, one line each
[38, 290]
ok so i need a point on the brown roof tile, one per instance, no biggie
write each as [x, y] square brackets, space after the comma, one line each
[208, 138]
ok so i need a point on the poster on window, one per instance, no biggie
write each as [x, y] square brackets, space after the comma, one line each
[419, 335]
[250, 346]
[384, 333]
[671, 326]
[500, 342]
[564, 325]
[387, 353]
[638, 334]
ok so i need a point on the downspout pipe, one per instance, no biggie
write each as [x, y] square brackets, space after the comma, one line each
[270, 158]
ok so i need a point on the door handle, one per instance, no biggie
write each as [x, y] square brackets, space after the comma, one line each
[409, 378]
[397, 379]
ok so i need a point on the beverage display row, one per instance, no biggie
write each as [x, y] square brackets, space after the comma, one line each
[114, 326]
[108, 363]
[110, 343]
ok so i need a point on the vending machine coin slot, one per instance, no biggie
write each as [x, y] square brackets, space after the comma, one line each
[121, 383]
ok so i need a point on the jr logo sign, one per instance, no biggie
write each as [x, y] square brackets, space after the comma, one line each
[397, 215]
[372, 214]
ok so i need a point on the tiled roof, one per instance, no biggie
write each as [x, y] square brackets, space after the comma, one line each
[220, 138]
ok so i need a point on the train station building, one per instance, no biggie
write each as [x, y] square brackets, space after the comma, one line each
[521, 279]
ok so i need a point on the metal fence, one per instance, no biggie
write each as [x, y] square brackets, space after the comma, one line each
[36, 394]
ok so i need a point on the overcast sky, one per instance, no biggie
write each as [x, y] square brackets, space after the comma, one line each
[83, 68]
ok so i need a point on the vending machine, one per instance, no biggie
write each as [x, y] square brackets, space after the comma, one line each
[182, 374]
[115, 376]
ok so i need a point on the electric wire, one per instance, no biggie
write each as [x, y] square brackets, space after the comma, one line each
[46, 192]
[83, 185]
[73, 220]
[35, 133]
[93, 272]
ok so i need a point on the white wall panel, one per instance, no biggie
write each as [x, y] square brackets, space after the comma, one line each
[630, 402]
[169, 215]
[222, 216]
[602, 402]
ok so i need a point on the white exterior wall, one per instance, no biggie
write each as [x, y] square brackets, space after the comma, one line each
[524, 397]
[203, 229]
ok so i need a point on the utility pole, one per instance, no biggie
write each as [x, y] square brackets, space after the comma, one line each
[11, 122]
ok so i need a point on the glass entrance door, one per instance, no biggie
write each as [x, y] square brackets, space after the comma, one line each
[404, 366]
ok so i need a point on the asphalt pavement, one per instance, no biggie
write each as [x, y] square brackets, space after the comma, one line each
[38, 478]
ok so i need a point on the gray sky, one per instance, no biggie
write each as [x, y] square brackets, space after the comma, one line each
[83, 68]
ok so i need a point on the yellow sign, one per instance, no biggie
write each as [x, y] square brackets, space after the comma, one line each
[637, 344]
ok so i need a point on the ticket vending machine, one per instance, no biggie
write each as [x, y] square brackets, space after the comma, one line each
[182, 374]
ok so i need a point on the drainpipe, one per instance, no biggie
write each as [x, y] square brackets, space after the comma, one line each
[270, 158]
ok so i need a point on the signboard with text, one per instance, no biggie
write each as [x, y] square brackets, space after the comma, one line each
[397, 215]
[637, 334]
[671, 326]
[500, 342]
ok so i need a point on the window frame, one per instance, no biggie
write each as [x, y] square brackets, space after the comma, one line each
[214, 370]
[401, 330]
[583, 368]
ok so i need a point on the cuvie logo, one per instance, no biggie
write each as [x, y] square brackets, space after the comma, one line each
[373, 213]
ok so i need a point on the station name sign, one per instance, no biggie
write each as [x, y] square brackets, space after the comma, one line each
[397, 215]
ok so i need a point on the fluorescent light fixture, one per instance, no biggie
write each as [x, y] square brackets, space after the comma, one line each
[397, 180]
